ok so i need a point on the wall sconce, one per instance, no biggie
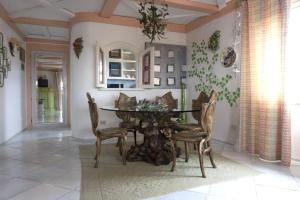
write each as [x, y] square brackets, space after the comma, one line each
[13, 42]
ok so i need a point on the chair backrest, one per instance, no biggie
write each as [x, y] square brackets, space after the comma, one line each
[169, 100]
[125, 101]
[208, 110]
[93, 112]
[197, 104]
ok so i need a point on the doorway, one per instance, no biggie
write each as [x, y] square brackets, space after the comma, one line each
[48, 89]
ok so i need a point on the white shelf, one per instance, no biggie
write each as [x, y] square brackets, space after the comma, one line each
[129, 61]
[129, 70]
[121, 78]
[129, 78]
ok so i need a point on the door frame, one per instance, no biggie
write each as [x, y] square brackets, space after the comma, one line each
[34, 55]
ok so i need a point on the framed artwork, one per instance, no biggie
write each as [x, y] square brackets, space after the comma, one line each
[1, 40]
[3, 70]
[156, 68]
[115, 69]
[171, 54]
[22, 54]
[115, 53]
[1, 59]
[157, 81]
[157, 53]
[171, 81]
[1, 78]
[7, 63]
[170, 68]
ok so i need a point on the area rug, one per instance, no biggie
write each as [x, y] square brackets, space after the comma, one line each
[140, 180]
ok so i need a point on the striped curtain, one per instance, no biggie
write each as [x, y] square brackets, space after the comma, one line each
[265, 117]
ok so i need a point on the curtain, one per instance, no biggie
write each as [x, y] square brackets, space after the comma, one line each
[265, 116]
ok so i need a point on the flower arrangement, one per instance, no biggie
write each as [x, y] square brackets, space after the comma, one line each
[147, 105]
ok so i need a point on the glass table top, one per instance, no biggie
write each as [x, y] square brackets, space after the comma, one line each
[134, 109]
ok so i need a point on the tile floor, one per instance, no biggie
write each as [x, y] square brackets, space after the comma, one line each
[44, 165]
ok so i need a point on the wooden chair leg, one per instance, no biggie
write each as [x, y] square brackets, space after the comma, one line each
[98, 151]
[210, 154]
[118, 143]
[186, 149]
[195, 146]
[200, 152]
[134, 134]
[124, 150]
[174, 155]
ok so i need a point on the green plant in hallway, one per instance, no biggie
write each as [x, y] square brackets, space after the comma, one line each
[202, 69]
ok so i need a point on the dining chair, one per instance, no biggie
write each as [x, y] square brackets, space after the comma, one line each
[129, 121]
[169, 100]
[196, 105]
[107, 133]
[200, 136]
[172, 104]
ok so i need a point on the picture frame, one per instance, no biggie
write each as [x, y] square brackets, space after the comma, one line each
[1, 78]
[157, 53]
[157, 81]
[171, 81]
[156, 68]
[1, 39]
[115, 53]
[1, 59]
[171, 54]
[170, 68]
[4, 71]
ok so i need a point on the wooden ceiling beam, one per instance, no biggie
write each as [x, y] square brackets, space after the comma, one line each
[119, 20]
[109, 8]
[231, 6]
[4, 15]
[46, 41]
[41, 22]
[190, 5]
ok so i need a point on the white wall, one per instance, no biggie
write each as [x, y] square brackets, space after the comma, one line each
[12, 95]
[83, 72]
[226, 124]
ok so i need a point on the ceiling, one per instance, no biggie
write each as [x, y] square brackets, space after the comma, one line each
[50, 63]
[64, 10]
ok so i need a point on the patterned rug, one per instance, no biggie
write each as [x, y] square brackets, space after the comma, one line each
[139, 180]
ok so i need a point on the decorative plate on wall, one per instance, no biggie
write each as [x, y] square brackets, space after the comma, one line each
[228, 57]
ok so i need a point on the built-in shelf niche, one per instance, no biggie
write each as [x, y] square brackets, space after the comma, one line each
[122, 66]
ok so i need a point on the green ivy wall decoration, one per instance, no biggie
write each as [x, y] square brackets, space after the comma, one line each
[202, 68]
[214, 41]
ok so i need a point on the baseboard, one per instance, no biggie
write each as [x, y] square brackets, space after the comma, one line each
[295, 162]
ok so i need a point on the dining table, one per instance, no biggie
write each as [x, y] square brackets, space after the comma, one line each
[157, 126]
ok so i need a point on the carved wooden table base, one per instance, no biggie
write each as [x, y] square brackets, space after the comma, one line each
[156, 148]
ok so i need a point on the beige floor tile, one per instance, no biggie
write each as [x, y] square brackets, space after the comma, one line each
[41, 192]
